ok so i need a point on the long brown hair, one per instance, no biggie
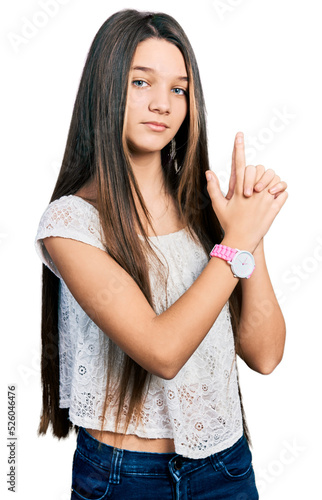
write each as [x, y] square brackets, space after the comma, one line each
[96, 149]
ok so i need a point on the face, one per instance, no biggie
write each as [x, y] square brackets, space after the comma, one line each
[157, 100]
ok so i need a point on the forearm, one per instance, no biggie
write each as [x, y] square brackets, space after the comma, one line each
[262, 330]
[181, 328]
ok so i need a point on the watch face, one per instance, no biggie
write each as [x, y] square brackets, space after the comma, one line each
[243, 264]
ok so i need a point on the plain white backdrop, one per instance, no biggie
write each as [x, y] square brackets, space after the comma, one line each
[260, 64]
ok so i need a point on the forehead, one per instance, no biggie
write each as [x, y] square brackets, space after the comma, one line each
[162, 56]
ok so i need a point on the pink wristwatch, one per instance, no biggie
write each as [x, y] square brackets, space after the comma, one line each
[242, 262]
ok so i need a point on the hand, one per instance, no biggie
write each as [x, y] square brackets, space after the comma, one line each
[256, 179]
[246, 219]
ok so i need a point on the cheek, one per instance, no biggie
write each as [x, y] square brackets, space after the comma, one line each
[136, 102]
[135, 106]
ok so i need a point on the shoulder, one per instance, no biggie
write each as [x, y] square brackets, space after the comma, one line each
[69, 217]
[66, 208]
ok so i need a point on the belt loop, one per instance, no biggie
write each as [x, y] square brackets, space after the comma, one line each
[216, 462]
[115, 474]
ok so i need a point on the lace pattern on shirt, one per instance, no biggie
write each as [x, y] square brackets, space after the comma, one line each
[200, 407]
[69, 217]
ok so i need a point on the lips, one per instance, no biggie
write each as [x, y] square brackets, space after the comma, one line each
[157, 126]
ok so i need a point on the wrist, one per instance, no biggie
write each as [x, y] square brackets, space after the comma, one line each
[242, 261]
[238, 242]
[259, 248]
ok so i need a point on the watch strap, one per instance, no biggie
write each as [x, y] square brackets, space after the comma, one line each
[223, 252]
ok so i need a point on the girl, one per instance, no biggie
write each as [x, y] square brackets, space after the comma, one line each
[140, 327]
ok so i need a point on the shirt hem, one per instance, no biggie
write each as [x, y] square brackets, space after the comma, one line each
[196, 454]
[151, 434]
[156, 434]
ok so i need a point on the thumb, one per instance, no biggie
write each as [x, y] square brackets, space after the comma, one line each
[216, 196]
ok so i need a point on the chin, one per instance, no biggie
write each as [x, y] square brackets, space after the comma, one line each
[145, 148]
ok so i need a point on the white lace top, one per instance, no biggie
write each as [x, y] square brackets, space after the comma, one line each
[200, 407]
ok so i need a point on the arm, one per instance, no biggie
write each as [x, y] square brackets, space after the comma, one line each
[159, 343]
[261, 336]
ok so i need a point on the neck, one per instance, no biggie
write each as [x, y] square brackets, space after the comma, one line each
[148, 173]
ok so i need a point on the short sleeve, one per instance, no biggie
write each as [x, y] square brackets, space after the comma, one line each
[68, 217]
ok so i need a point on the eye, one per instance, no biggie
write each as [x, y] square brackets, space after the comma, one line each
[179, 91]
[139, 83]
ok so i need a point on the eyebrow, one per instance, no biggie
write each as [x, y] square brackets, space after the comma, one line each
[151, 70]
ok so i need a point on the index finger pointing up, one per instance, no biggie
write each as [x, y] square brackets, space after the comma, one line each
[240, 161]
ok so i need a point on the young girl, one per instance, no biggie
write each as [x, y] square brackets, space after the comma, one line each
[140, 326]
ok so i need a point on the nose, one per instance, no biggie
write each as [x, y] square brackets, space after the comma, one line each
[160, 101]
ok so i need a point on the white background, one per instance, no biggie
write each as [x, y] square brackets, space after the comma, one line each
[258, 60]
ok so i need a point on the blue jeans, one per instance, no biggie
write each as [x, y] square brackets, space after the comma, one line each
[112, 473]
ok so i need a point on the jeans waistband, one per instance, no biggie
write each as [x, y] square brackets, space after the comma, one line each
[139, 462]
[132, 461]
